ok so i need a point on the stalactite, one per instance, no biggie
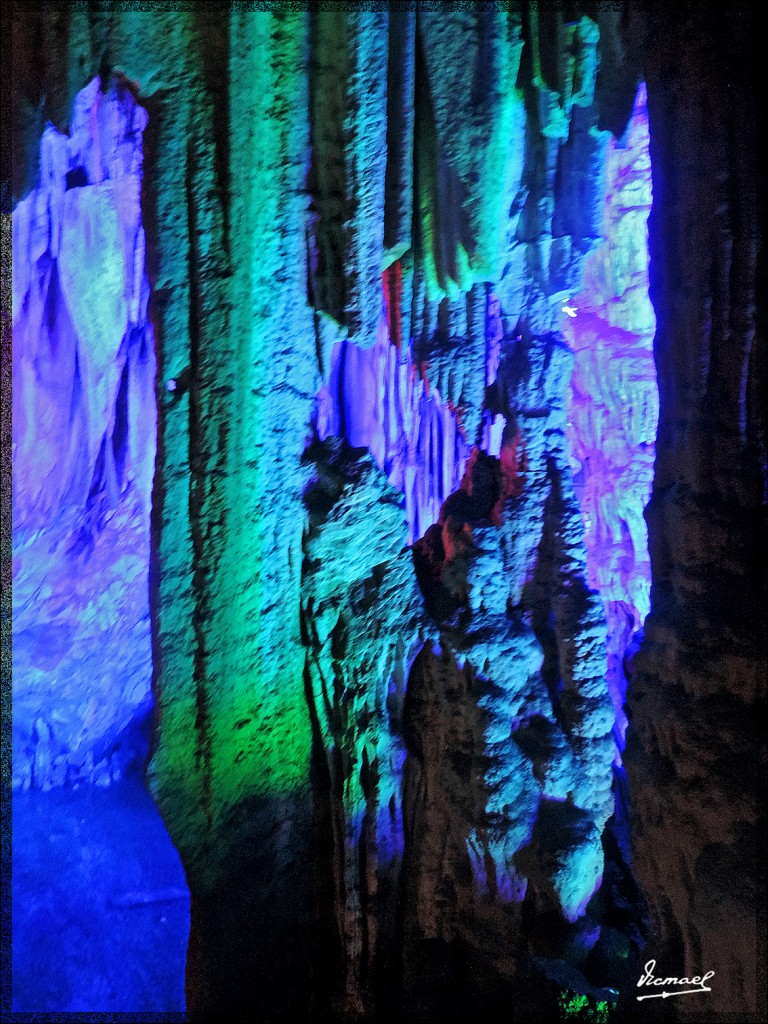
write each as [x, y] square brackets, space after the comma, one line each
[362, 229]
[470, 109]
[398, 202]
[349, 163]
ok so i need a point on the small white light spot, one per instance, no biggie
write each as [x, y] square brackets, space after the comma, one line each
[170, 385]
[570, 310]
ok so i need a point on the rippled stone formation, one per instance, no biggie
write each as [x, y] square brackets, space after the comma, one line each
[613, 399]
[84, 430]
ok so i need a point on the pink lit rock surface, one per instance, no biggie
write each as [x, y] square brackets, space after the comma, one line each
[84, 432]
[613, 405]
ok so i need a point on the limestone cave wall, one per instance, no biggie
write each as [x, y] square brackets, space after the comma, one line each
[695, 754]
[341, 245]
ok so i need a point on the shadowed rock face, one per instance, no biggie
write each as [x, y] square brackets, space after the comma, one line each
[698, 686]
[388, 771]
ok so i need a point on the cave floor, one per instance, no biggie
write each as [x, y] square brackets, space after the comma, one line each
[100, 906]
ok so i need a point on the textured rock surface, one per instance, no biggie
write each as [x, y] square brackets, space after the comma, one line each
[613, 398]
[245, 332]
[348, 89]
[362, 620]
[694, 747]
[286, 178]
[84, 430]
[230, 763]
[508, 722]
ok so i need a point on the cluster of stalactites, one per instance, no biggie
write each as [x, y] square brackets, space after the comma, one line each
[453, 211]
[457, 183]
[84, 359]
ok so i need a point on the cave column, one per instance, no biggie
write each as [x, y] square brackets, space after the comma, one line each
[225, 209]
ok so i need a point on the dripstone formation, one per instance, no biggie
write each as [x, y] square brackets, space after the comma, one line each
[385, 688]
[84, 428]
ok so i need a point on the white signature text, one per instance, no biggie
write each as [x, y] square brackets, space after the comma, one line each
[682, 986]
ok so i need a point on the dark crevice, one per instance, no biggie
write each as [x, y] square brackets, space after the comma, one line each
[213, 34]
[120, 429]
[197, 488]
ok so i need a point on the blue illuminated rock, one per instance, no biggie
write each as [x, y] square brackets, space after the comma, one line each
[84, 435]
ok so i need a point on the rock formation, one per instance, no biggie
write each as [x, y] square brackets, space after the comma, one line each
[613, 399]
[84, 427]
[383, 672]
[694, 749]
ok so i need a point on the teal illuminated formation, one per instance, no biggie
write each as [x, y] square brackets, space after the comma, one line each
[336, 338]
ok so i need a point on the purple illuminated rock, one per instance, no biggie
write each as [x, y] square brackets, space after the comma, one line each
[613, 399]
[84, 447]
[508, 714]
[377, 399]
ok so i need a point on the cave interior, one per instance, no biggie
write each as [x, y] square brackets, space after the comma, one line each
[389, 510]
